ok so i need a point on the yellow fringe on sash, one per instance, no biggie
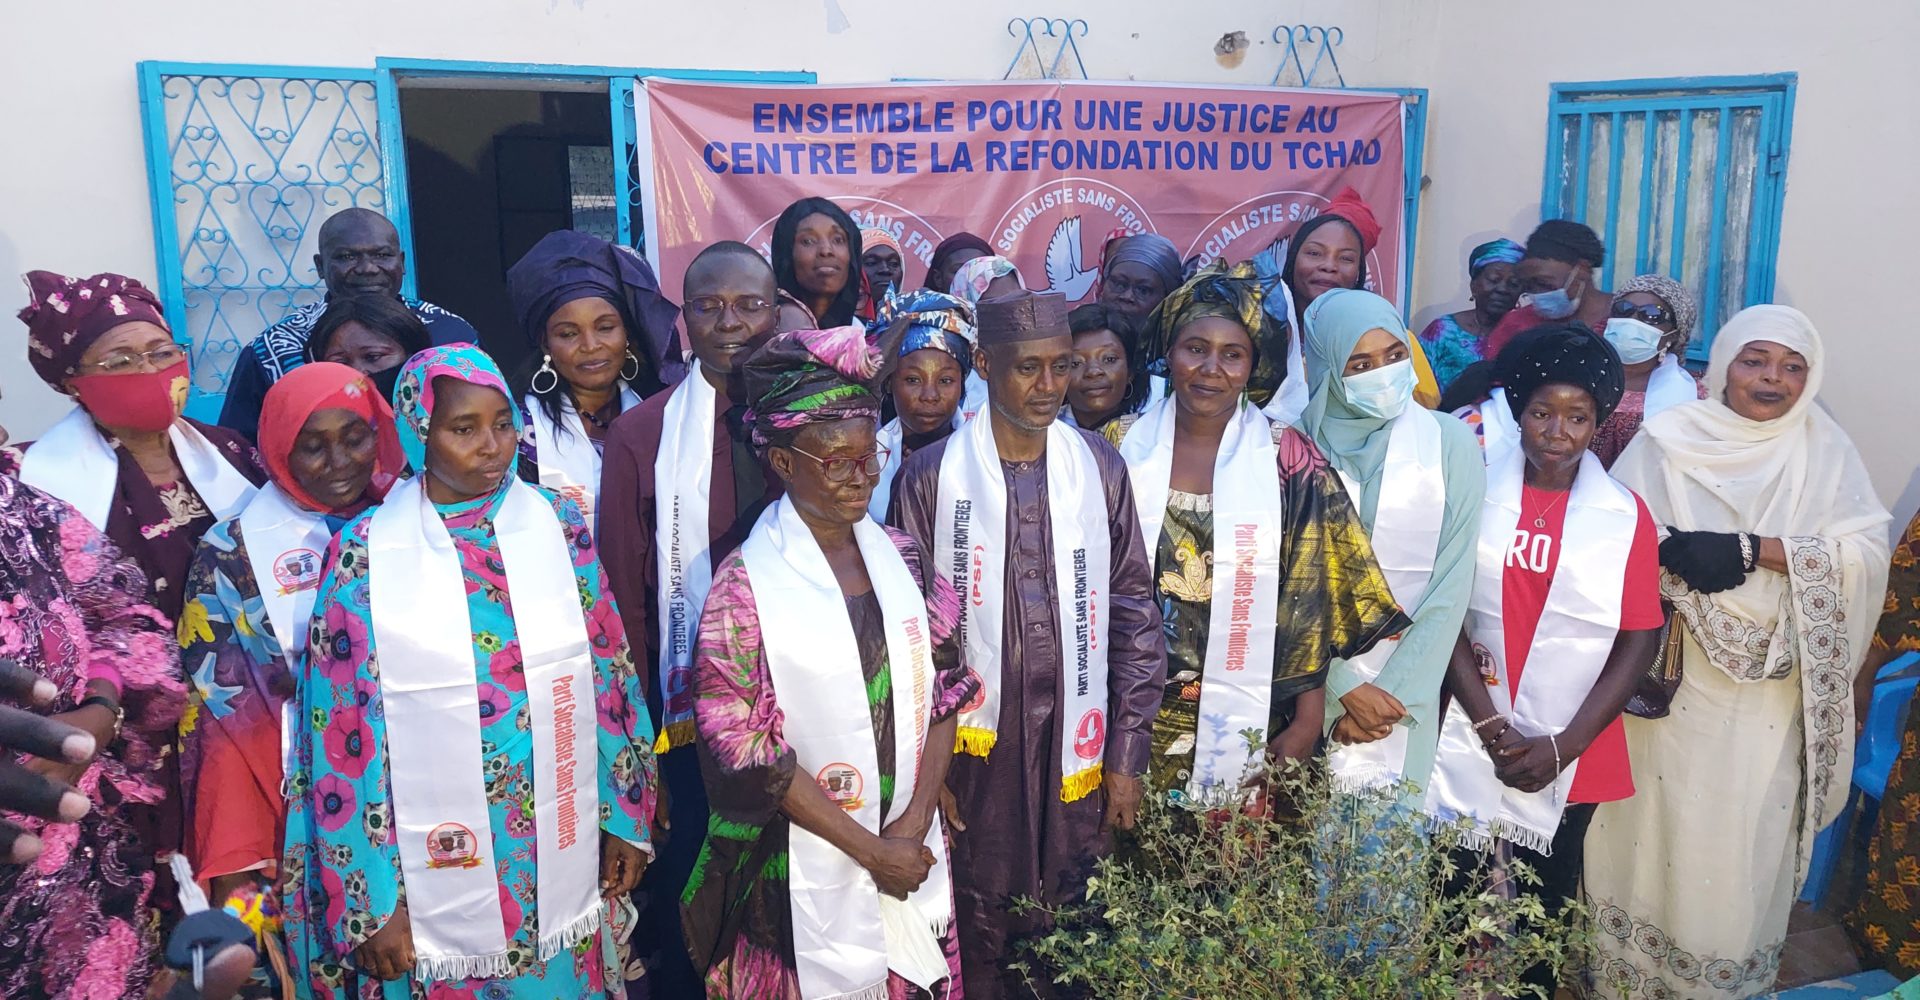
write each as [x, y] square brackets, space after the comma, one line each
[1079, 785]
[675, 735]
[974, 740]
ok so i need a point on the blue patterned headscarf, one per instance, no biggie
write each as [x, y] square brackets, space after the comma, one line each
[413, 395]
[1500, 251]
[934, 320]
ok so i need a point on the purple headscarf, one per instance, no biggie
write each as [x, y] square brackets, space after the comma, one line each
[568, 265]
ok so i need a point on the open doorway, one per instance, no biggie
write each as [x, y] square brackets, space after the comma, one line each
[490, 171]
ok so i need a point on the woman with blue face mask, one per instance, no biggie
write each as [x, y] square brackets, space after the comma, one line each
[1558, 279]
[1418, 479]
[1651, 320]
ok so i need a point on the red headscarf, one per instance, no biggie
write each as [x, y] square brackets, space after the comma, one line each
[1350, 206]
[64, 316]
[324, 385]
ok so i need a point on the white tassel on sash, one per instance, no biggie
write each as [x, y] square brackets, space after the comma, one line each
[1571, 644]
[1236, 685]
[1406, 540]
[847, 934]
[683, 485]
[971, 519]
[74, 462]
[423, 638]
[569, 463]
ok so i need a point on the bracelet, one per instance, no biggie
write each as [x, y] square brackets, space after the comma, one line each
[1555, 740]
[1749, 552]
[1489, 720]
[1488, 743]
[119, 713]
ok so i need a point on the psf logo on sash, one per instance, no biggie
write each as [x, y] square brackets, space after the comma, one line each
[296, 570]
[1090, 736]
[843, 784]
[452, 845]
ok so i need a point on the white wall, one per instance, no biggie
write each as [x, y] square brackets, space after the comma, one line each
[73, 189]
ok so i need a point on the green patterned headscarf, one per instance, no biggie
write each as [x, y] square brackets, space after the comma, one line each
[1230, 292]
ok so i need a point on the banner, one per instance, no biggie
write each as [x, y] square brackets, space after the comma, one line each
[1044, 171]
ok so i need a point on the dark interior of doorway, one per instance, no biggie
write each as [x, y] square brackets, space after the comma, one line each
[489, 172]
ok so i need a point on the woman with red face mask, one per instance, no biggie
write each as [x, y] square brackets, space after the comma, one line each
[152, 479]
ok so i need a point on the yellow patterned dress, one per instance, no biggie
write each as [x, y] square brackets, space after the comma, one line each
[1886, 923]
[1335, 602]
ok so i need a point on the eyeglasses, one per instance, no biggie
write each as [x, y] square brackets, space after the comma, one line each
[839, 470]
[708, 308]
[1652, 313]
[161, 358]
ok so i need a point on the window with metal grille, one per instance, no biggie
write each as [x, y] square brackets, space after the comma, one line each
[1684, 177]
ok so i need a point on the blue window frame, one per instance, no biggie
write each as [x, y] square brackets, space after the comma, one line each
[245, 161]
[1684, 177]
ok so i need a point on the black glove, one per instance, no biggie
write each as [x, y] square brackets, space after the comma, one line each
[1708, 561]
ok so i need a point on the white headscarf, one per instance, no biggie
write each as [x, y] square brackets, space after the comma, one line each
[1703, 467]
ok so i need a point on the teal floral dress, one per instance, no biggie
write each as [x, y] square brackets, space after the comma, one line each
[340, 853]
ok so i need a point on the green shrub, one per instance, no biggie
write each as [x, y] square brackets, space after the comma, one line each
[1333, 897]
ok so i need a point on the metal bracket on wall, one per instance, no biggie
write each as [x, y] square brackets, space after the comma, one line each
[1316, 41]
[1028, 28]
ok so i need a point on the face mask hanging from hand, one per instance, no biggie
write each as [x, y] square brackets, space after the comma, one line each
[1556, 304]
[142, 401]
[1636, 341]
[1383, 392]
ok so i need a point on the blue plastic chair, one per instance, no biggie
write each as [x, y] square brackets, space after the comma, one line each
[1893, 690]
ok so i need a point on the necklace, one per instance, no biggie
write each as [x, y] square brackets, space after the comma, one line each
[1540, 518]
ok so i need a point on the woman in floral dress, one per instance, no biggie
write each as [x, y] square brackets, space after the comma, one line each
[376, 883]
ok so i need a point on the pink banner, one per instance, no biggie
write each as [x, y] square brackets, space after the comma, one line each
[1044, 171]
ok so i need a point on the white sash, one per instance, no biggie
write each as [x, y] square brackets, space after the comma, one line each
[569, 463]
[842, 948]
[423, 637]
[1499, 432]
[1570, 647]
[971, 521]
[1236, 686]
[973, 398]
[1669, 385]
[683, 489]
[1406, 541]
[286, 545]
[887, 437]
[74, 462]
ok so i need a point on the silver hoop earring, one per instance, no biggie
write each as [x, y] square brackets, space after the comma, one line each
[546, 368]
[635, 362]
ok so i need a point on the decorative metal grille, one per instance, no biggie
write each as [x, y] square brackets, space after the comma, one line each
[251, 165]
[1031, 61]
[1301, 40]
[1681, 181]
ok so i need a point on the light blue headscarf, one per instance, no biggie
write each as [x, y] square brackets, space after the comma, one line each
[1355, 442]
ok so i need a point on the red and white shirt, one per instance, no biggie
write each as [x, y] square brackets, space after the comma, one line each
[1605, 774]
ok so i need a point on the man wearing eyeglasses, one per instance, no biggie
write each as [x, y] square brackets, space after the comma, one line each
[677, 495]
[359, 254]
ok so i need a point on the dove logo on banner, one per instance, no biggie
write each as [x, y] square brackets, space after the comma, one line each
[1070, 220]
[1064, 271]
